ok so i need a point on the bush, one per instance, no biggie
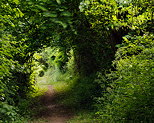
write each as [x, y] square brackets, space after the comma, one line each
[15, 80]
[130, 94]
[7, 112]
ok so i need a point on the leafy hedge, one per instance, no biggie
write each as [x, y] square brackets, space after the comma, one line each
[15, 82]
[130, 95]
[125, 30]
[94, 32]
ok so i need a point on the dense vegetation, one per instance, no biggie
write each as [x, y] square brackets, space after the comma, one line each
[103, 48]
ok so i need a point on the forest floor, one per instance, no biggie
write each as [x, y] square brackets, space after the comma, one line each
[50, 110]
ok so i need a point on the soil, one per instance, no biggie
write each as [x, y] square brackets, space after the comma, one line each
[51, 111]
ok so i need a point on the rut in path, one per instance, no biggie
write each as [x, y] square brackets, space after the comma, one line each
[51, 111]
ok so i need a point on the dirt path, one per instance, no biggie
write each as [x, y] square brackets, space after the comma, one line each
[52, 112]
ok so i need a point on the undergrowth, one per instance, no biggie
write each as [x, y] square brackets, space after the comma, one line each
[73, 91]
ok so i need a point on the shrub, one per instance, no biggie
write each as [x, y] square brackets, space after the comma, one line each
[7, 112]
[130, 94]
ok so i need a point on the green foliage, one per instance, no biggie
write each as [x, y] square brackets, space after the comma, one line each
[14, 78]
[7, 112]
[124, 92]
[84, 116]
[115, 14]
[134, 45]
[86, 35]
[78, 91]
[15, 65]
[129, 97]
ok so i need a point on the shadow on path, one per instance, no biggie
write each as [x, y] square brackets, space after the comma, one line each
[51, 111]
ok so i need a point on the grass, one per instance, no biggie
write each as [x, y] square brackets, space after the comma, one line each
[81, 115]
[84, 116]
[60, 87]
[64, 87]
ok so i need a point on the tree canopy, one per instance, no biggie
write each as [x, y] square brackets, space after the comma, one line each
[112, 44]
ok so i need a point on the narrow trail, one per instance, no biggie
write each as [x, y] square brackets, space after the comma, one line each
[51, 111]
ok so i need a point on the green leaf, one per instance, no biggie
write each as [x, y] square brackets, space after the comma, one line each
[125, 39]
[62, 23]
[42, 8]
[16, 1]
[67, 14]
[58, 1]
[48, 14]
